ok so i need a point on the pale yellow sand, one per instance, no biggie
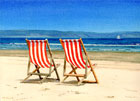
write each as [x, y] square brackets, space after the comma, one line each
[118, 81]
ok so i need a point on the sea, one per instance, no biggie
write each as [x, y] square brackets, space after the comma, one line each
[91, 44]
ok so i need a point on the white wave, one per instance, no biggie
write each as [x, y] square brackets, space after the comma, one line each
[20, 43]
[55, 44]
[16, 43]
[108, 45]
[58, 44]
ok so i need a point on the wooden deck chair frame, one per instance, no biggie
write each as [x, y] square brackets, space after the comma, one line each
[83, 76]
[37, 71]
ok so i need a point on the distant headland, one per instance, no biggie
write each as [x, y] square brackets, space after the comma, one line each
[67, 34]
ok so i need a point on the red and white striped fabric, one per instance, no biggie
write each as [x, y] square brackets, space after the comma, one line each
[73, 52]
[38, 53]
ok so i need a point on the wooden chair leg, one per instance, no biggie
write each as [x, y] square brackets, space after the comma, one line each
[55, 69]
[69, 73]
[28, 69]
[79, 83]
[44, 79]
[26, 78]
[29, 75]
[38, 72]
[75, 73]
[89, 61]
[51, 72]
[87, 81]
[94, 75]
[83, 78]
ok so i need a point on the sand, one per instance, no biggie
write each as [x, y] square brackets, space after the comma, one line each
[118, 80]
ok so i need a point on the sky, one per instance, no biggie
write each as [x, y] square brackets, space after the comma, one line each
[70, 15]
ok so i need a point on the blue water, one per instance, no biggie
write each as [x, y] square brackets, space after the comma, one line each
[91, 44]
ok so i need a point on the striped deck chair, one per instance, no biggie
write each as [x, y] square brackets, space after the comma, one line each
[38, 57]
[73, 55]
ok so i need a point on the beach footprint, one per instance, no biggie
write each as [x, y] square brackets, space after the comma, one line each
[45, 89]
[110, 96]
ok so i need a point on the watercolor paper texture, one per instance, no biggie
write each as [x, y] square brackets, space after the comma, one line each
[110, 30]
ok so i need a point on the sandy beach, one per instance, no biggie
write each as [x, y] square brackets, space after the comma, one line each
[118, 75]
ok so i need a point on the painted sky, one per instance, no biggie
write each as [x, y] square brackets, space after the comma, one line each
[71, 15]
